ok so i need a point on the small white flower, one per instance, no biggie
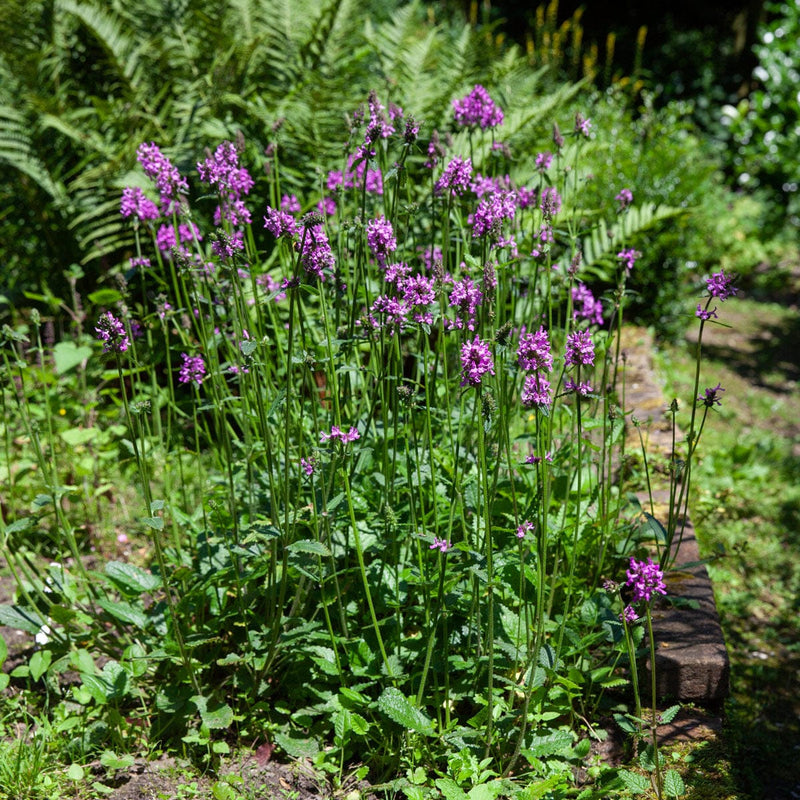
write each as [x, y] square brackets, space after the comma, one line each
[43, 636]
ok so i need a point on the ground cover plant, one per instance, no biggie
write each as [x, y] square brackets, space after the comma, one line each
[364, 443]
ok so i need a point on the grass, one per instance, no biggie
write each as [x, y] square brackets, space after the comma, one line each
[746, 507]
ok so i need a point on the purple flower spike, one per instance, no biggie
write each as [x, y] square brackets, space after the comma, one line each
[580, 349]
[533, 352]
[628, 615]
[193, 369]
[476, 361]
[721, 285]
[477, 109]
[624, 198]
[645, 579]
[111, 331]
[440, 544]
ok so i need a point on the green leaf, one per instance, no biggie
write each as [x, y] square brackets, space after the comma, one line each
[395, 705]
[124, 612]
[485, 791]
[626, 724]
[156, 523]
[75, 772]
[673, 784]
[450, 789]
[634, 783]
[309, 546]
[105, 297]
[552, 743]
[220, 717]
[68, 355]
[111, 760]
[3, 651]
[670, 714]
[130, 578]
[77, 436]
[21, 618]
[39, 663]
[296, 747]
[248, 347]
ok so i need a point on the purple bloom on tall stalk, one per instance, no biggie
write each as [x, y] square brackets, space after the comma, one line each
[628, 257]
[628, 615]
[380, 238]
[645, 579]
[193, 369]
[544, 160]
[580, 349]
[535, 391]
[440, 544]
[316, 256]
[455, 177]
[526, 527]
[582, 125]
[477, 109]
[705, 313]
[112, 332]
[721, 285]
[476, 361]
[550, 203]
[169, 182]
[491, 212]
[585, 306]
[280, 223]
[624, 198]
[337, 433]
[223, 171]
[466, 296]
[135, 204]
[711, 396]
[533, 352]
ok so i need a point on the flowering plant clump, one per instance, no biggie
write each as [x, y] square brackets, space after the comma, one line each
[406, 348]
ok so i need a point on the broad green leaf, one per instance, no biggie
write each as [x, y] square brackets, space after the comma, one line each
[130, 578]
[673, 784]
[39, 663]
[670, 714]
[637, 784]
[124, 612]
[485, 791]
[296, 747]
[77, 436]
[21, 618]
[68, 355]
[156, 523]
[75, 772]
[450, 789]
[395, 705]
[220, 717]
[3, 651]
[111, 760]
[105, 297]
[552, 743]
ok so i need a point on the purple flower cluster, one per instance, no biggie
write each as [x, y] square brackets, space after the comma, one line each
[711, 396]
[583, 389]
[533, 352]
[193, 369]
[135, 204]
[476, 361]
[308, 465]
[628, 257]
[223, 171]
[543, 161]
[477, 109]
[381, 238]
[721, 285]
[165, 236]
[354, 176]
[280, 223]
[466, 296]
[418, 293]
[491, 212]
[316, 255]
[455, 177]
[440, 544]
[585, 306]
[582, 125]
[580, 349]
[624, 198]
[645, 579]
[337, 433]
[112, 332]
[389, 313]
[550, 202]
[535, 391]
[168, 180]
[526, 527]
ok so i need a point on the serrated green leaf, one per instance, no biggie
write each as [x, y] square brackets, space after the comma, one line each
[131, 579]
[635, 783]
[309, 546]
[156, 523]
[552, 743]
[395, 705]
[248, 347]
[626, 724]
[111, 760]
[673, 784]
[75, 772]
[669, 715]
[450, 789]
[296, 747]
[220, 717]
